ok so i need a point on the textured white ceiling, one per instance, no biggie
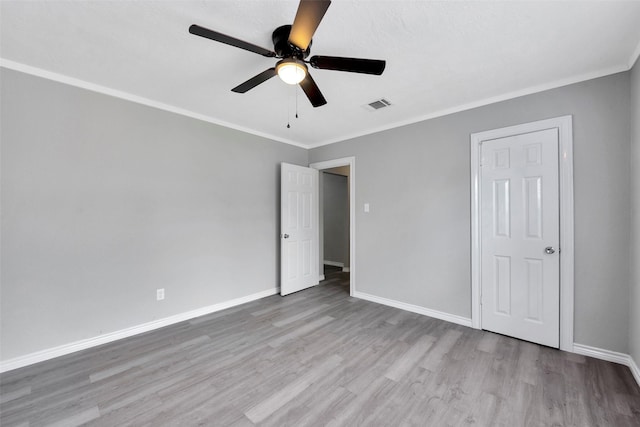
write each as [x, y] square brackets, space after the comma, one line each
[441, 56]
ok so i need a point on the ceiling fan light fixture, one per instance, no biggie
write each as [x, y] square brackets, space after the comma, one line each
[292, 71]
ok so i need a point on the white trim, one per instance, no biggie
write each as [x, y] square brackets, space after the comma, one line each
[634, 369]
[459, 320]
[609, 356]
[351, 162]
[41, 356]
[634, 56]
[333, 263]
[321, 278]
[337, 264]
[39, 72]
[480, 103]
[567, 250]
[602, 354]
[72, 81]
[565, 136]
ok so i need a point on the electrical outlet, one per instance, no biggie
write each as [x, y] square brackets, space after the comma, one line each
[159, 294]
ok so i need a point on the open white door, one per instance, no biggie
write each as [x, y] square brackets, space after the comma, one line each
[298, 228]
[520, 237]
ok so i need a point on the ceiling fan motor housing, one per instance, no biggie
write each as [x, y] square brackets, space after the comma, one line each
[285, 49]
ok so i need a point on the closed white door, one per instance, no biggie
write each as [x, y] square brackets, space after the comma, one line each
[298, 228]
[520, 235]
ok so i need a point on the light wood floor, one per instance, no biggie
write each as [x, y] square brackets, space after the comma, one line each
[319, 357]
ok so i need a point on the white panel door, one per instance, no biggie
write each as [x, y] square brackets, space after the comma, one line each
[298, 228]
[520, 236]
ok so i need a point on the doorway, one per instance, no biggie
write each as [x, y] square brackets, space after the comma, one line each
[334, 225]
[342, 248]
[506, 286]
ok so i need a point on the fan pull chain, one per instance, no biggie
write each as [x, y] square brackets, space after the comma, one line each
[288, 125]
[297, 91]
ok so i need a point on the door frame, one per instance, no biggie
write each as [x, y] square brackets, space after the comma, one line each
[565, 176]
[351, 162]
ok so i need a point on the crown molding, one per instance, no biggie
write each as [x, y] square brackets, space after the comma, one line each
[72, 81]
[83, 84]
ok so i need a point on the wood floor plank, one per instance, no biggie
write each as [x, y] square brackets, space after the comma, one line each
[274, 402]
[78, 419]
[302, 330]
[407, 361]
[320, 357]
[441, 347]
[139, 361]
[322, 410]
[299, 316]
[7, 395]
[488, 343]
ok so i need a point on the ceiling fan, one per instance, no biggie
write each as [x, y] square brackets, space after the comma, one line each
[292, 45]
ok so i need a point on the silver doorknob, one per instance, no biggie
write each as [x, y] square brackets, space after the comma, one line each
[285, 236]
[549, 250]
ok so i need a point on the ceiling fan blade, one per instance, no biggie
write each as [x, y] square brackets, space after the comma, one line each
[312, 91]
[352, 65]
[255, 81]
[308, 17]
[223, 38]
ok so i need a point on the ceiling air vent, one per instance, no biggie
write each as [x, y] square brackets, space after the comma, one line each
[376, 105]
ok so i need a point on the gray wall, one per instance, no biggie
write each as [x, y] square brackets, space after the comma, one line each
[634, 300]
[335, 206]
[104, 200]
[414, 245]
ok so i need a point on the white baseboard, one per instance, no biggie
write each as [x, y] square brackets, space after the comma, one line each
[346, 269]
[609, 356]
[415, 309]
[333, 263]
[600, 353]
[321, 278]
[40, 356]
